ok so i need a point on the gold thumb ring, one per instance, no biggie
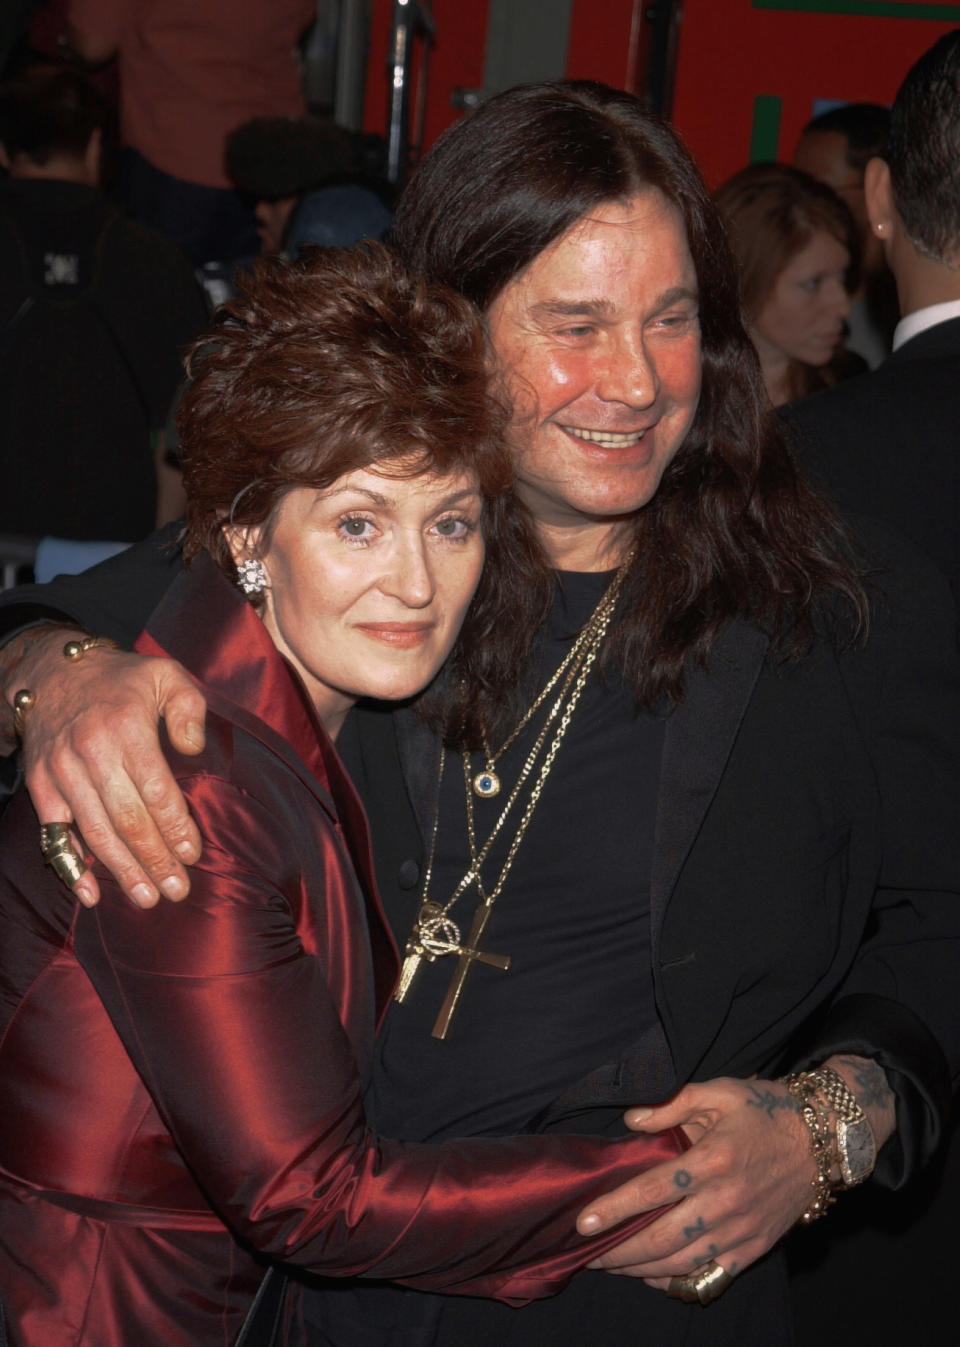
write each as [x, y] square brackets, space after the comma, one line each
[705, 1285]
[59, 853]
[22, 702]
[711, 1281]
[682, 1288]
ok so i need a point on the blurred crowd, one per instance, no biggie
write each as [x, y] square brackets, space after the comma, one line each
[142, 167]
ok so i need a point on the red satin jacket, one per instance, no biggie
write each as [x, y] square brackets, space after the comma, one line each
[184, 1086]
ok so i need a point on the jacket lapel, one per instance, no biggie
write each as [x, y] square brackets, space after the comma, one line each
[419, 749]
[699, 737]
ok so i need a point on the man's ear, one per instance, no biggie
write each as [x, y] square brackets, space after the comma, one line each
[878, 194]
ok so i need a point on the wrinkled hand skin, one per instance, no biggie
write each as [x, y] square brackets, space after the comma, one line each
[91, 755]
[745, 1181]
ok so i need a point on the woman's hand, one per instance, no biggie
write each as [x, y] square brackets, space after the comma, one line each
[91, 755]
[745, 1181]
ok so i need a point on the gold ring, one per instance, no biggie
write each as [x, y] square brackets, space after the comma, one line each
[22, 702]
[682, 1288]
[60, 854]
[705, 1285]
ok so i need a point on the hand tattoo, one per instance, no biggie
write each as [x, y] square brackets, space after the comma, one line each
[682, 1179]
[705, 1255]
[770, 1102]
[870, 1079]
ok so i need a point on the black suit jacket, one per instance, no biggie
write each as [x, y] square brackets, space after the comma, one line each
[807, 859]
[887, 444]
[805, 885]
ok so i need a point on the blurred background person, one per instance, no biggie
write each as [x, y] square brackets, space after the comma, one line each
[313, 181]
[885, 445]
[95, 312]
[835, 148]
[797, 249]
[190, 72]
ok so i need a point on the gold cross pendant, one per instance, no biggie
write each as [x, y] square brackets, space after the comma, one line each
[469, 954]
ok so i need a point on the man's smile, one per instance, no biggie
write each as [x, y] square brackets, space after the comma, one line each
[607, 439]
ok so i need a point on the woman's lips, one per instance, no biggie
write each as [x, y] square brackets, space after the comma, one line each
[400, 635]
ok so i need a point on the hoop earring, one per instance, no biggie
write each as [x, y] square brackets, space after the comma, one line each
[252, 576]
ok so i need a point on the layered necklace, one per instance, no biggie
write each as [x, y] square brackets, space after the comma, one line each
[435, 933]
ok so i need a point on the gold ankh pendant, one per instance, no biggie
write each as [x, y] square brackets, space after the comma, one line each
[433, 935]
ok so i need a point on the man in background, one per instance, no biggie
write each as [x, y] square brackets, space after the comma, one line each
[835, 148]
[95, 313]
[886, 445]
[190, 72]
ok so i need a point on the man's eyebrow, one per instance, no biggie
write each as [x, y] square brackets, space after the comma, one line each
[605, 309]
[573, 308]
[678, 295]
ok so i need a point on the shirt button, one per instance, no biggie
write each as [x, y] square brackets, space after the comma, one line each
[409, 875]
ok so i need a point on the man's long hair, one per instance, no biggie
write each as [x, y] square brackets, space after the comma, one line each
[732, 530]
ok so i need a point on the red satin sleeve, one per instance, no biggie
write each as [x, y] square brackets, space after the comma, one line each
[231, 1006]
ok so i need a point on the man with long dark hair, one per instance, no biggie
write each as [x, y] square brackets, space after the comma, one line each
[709, 840]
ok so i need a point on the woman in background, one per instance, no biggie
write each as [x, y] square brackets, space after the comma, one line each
[796, 245]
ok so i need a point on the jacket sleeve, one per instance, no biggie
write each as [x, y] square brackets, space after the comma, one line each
[229, 1006]
[900, 1002]
[112, 599]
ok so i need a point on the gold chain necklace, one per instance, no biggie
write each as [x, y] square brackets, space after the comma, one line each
[486, 784]
[435, 933]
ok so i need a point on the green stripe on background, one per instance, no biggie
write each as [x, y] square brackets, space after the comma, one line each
[765, 135]
[877, 9]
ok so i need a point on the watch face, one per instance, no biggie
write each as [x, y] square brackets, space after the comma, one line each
[858, 1151]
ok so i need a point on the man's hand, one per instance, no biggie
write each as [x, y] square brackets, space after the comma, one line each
[91, 755]
[745, 1181]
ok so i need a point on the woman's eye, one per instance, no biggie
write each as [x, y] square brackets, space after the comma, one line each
[452, 528]
[356, 527]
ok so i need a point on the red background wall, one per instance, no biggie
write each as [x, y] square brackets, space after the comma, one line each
[730, 52]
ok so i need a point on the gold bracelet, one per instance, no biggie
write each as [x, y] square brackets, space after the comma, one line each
[24, 700]
[805, 1090]
[75, 650]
